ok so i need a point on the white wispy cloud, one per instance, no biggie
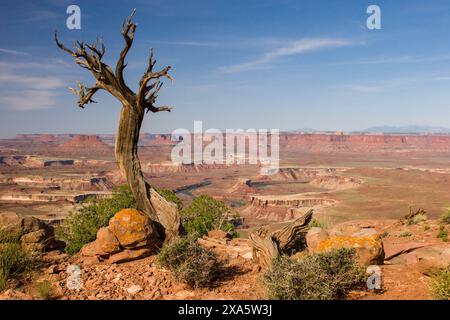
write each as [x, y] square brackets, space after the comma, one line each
[28, 92]
[29, 100]
[38, 83]
[13, 52]
[394, 60]
[191, 43]
[293, 48]
[381, 86]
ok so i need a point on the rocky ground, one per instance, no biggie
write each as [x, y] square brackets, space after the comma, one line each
[408, 254]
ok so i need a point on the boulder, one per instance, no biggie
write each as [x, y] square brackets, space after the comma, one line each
[35, 234]
[129, 255]
[10, 221]
[220, 235]
[314, 237]
[394, 250]
[90, 250]
[107, 242]
[369, 249]
[39, 236]
[132, 228]
[428, 259]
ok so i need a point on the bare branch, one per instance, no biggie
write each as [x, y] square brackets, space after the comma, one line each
[89, 56]
[159, 109]
[128, 29]
[150, 83]
[85, 94]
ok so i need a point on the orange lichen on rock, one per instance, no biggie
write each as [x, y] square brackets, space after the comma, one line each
[132, 228]
[369, 249]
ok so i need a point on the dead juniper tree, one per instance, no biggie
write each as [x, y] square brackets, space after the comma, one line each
[268, 245]
[134, 106]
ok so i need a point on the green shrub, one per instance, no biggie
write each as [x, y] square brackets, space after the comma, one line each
[417, 219]
[190, 263]
[44, 289]
[443, 233]
[405, 233]
[426, 227]
[81, 226]
[171, 196]
[440, 285]
[205, 214]
[314, 223]
[15, 261]
[9, 237]
[324, 276]
[446, 217]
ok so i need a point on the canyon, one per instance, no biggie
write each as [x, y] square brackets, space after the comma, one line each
[324, 171]
[368, 180]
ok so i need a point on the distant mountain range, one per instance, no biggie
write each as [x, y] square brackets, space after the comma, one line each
[408, 129]
[389, 129]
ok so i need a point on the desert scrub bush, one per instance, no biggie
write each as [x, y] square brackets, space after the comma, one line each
[44, 289]
[440, 284]
[170, 196]
[206, 213]
[15, 261]
[417, 219]
[190, 263]
[405, 233]
[10, 237]
[426, 227]
[443, 233]
[446, 217]
[315, 223]
[325, 276]
[81, 226]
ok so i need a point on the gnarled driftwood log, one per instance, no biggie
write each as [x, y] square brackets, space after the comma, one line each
[268, 245]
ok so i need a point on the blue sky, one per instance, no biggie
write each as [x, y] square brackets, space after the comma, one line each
[285, 64]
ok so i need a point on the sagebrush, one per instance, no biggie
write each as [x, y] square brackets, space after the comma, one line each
[440, 284]
[44, 289]
[446, 217]
[325, 276]
[443, 233]
[15, 261]
[191, 263]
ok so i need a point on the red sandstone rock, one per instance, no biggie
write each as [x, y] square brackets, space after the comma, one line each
[132, 228]
[85, 142]
[107, 242]
[219, 234]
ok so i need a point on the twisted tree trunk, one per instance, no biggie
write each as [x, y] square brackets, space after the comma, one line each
[268, 245]
[164, 215]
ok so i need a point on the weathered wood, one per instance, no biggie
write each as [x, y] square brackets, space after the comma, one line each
[268, 245]
[412, 214]
[134, 106]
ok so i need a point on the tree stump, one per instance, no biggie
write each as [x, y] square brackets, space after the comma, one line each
[268, 245]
